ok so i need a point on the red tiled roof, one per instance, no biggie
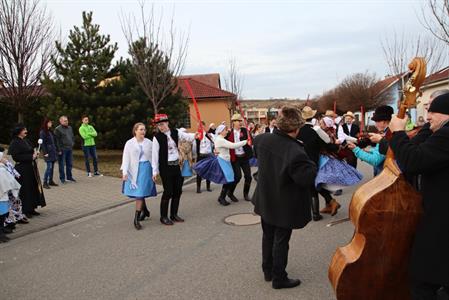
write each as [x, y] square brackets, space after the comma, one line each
[382, 85]
[202, 90]
[437, 76]
[212, 79]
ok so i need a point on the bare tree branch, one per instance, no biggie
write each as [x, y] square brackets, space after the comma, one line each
[151, 47]
[234, 84]
[401, 48]
[438, 21]
[26, 47]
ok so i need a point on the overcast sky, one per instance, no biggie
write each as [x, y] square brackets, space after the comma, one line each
[283, 48]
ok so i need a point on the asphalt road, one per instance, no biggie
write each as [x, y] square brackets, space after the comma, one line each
[103, 257]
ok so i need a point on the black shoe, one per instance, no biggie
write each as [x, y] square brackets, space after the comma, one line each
[35, 213]
[136, 220]
[286, 283]
[28, 215]
[338, 192]
[52, 183]
[223, 202]
[11, 225]
[72, 180]
[45, 185]
[268, 277]
[23, 221]
[233, 198]
[198, 190]
[166, 221]
[177, 219]
[317, 217]
[7, 230]
[246, 197]
[209, 189]
[4, 238]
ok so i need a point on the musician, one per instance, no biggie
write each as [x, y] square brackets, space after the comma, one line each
[429, 263]
[374, 156]
[349, 132]
[165, 161]
[240, 158]
[282, 195]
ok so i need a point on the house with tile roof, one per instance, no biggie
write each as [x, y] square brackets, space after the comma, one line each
[436, 81]
[212, 100]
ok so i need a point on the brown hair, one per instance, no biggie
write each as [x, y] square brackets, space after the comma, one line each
[136, 126]
[289, 119]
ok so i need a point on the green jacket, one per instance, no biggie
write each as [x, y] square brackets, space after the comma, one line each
[88, 134]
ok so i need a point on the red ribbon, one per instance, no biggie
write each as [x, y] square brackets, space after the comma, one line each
[362, 118]
[195, 104]
[250, 140]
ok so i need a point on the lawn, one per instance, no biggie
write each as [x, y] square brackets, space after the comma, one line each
[109, 161]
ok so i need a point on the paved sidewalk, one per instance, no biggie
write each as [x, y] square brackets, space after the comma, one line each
[74, 200]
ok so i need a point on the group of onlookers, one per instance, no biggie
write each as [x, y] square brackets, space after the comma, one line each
[21, 187]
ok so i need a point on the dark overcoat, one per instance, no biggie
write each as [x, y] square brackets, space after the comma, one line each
[285, 175]
[30, 193]
[430, 253]
[48, 145]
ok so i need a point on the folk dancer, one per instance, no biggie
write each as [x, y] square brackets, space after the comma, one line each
[137, 172]
[349, 132]
[240, 158]
[165, 162]
[204, 149]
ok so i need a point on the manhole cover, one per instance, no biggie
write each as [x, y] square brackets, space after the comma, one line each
[242, 219]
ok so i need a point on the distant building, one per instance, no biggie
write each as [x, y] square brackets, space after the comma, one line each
[436, 81]
[260, 111]
[212, 100]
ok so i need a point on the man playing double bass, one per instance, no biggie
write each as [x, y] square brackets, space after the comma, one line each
[429, 263]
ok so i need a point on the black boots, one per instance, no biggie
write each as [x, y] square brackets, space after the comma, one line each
[52, 183]
[45, 185]
[145, 213]
[316, 209]
[136, 220]
[246, 188]
[3, 237]
[208, 186]
[198, 185]
[286, 283]
[222, 199]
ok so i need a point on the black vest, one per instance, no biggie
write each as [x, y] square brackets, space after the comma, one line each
[197, 141]
[354, 130]
[163, 148]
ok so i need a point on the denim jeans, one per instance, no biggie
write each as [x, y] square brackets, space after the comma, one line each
[48, 175]
[65, 159]
[92, 152]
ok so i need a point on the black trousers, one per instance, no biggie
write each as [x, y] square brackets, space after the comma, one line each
[275, 250]
[172, 182]
[239, 165]
[428, 291]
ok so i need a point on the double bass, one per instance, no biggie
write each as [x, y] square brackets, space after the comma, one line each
[385, 212]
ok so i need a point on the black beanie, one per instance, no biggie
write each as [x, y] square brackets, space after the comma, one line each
[440, 104]
[383, 113]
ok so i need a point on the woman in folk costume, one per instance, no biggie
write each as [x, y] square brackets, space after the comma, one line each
[137, 172]
[333, 174]
[8, 187]
[219, 169]
[203, 149]
[165, 162]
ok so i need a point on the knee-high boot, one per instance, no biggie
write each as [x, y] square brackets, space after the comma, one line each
[208, 186]
[174, 209]
[198, 184]
[316, 209]
[164, 212]
[136, 220]
[246, 188]
[222, 197]
[3, 237]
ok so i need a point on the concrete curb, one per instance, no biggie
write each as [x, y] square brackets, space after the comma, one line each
[19, 234]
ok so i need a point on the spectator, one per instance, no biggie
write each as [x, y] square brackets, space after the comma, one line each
[49, 150]
[64, 142]
[88, 133]
[24, 155]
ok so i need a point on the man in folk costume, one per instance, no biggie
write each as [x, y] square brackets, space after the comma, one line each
[349, 132]
[165, 162]
[240, 158]
[204, 149]
[429, 262]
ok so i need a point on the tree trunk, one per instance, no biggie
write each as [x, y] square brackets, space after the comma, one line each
[20, 116]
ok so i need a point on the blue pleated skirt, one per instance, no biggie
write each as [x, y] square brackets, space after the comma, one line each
[145, 185]
[4, 207]
[334, 174]
[215, 169]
